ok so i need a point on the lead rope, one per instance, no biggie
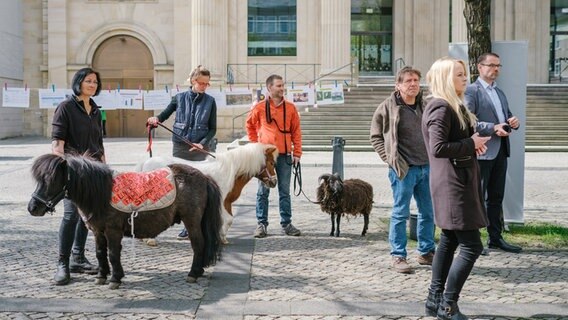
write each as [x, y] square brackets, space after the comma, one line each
[133, 215]
[182, 138]
[298, 182]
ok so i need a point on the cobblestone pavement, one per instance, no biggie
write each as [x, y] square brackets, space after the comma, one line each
[313, 276]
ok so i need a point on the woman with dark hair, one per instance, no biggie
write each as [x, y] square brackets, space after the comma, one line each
[76, 128]
[452, 146]
[196, 120]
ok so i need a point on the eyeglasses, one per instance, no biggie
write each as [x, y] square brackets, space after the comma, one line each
[203, 84]
[492, 65]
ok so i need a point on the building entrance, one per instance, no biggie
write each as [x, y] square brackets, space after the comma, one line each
[125, 62]
[371, 36]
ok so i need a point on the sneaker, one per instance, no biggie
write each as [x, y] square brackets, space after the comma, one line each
[260, 231]
[290, 230]
[183, 235]
[426, 259]
[400, 265]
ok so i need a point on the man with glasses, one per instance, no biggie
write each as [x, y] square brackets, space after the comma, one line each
[495, 119]
[397, 138]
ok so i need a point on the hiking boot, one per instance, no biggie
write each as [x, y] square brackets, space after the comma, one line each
[450, 311]
[80, 264]
[426, 259]
[260, 231]
[183, 235]
[290, 230]
[400, 265]
[62, 275]
[433, 303]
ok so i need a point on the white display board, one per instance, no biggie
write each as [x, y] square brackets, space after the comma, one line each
[15, 97]
[330, 94]
[51, 98]
[156, 99]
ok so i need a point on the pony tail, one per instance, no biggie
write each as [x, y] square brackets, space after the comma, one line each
[199, 71]
[211, 223]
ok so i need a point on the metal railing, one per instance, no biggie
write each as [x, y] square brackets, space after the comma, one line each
[291, 73]
[255, 73]
[399, 64]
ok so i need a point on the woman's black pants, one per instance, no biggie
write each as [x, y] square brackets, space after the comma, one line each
[450, 272]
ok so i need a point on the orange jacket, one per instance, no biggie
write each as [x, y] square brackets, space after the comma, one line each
[259, 130]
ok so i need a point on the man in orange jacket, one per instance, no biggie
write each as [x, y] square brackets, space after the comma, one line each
[276, 121]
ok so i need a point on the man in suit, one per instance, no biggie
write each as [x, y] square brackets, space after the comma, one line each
[490, 105]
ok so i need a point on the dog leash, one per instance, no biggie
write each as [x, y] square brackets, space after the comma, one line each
[184, 139]
[298, 182]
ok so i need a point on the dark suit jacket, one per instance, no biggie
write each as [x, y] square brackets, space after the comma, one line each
[478, 101]
[456, 189]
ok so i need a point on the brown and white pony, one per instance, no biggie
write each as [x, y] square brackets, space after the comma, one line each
[232, 170]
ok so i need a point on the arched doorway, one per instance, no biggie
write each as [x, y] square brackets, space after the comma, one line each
[125, 62]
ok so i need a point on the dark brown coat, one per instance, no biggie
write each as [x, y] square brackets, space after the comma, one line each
[455, 187]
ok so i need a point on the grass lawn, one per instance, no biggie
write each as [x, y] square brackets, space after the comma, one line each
[533, 235]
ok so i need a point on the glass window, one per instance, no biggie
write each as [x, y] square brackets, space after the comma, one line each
[272, 27]
[251, 24]
[371, 36]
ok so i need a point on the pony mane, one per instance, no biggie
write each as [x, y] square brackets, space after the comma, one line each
[247, 159]
[90, 184]
[45, 167]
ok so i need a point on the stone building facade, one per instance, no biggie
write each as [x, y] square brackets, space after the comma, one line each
[154, 43]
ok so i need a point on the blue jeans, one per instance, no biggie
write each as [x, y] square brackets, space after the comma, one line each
[284, 175]
[416, 183]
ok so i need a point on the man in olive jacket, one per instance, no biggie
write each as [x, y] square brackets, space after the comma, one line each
[397, 138]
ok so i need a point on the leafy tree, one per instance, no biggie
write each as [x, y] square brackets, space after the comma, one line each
[477, 14]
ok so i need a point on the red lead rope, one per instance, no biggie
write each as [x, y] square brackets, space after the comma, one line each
[191, 144]
[149, 129]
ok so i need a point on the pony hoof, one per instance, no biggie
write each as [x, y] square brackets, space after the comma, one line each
[100, 281]
[114, 285]
[191, 279]
[224, 241]
[151, 242]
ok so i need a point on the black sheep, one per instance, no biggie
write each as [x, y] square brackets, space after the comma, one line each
[337, 197]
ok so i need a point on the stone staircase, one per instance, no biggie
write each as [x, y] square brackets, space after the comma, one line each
[546, 125]
[547, 118]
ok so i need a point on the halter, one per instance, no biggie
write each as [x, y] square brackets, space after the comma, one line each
[270, 177]
[51, 203]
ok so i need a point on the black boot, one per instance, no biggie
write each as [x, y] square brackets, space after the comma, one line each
[432, 303]
[80, 264]
[62, 276]
[450, 311]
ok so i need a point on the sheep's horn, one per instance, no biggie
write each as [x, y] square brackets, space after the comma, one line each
[337, 176]
[324, 176]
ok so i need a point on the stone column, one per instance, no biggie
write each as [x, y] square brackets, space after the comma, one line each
[57, 42]
[335, 38]
[56, 50]
[459, 27]
[209, 36]
[182, 41]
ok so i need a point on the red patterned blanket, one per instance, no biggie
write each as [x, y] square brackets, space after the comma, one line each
[143, 191]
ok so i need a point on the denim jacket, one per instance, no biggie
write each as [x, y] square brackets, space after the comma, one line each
[196, 117]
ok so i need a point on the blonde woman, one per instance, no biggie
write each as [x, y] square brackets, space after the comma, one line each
[196, 120]
[452, 146]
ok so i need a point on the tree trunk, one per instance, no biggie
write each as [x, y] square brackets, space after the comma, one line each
[477, 14]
